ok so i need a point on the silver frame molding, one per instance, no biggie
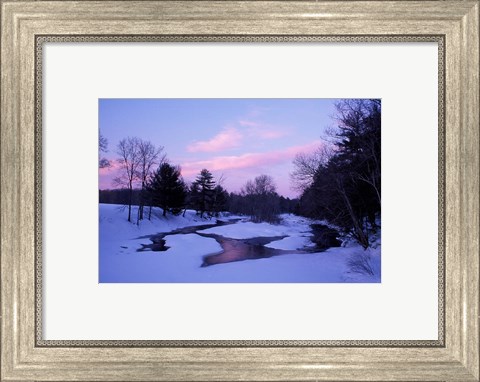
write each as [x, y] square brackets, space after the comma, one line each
[27, 25]
[41, 40]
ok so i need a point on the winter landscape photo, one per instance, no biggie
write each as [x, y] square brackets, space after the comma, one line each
[239, 190]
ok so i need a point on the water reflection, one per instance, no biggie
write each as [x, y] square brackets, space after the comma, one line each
[244, 249]
[238, 250]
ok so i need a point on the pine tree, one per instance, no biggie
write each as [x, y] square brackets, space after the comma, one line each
[202, 192]
[167, 189]
[346, 188]
[220, 199]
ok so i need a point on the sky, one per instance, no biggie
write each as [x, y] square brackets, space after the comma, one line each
[237, 139]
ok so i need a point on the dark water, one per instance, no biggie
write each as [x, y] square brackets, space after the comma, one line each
[324, 237]
[158, 242]
[244, 249]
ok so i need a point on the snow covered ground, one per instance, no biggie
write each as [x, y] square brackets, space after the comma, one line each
[121, 262]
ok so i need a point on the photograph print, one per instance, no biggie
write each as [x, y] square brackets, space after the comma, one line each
[239, 190]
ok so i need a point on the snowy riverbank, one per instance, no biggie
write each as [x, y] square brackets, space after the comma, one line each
[121, 262]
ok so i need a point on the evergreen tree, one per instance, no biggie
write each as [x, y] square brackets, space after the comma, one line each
[346, 188]
[220, 198]
[202, 192]
[167, 189]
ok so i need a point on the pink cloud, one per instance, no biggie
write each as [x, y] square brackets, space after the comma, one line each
[248, 160]
[247, 123]
[106, 175]
[270, 134]
[228, 138]
[264, 131]
[114, 166]
[257, 111]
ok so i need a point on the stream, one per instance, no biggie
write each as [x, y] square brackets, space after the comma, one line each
[243, 249]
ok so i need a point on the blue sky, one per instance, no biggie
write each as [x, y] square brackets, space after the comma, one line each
[236, 138]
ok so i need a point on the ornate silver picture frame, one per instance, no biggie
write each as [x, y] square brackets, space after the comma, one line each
[26, 26]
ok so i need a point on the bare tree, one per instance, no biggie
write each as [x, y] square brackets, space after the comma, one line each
[261, 185]
[102, 148]
[149, 156]
[360, 230]
[129, 160]
[307, 165]
[262, 199]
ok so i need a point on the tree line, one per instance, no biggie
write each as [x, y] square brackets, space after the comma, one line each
[341, 181]
[148, 179]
